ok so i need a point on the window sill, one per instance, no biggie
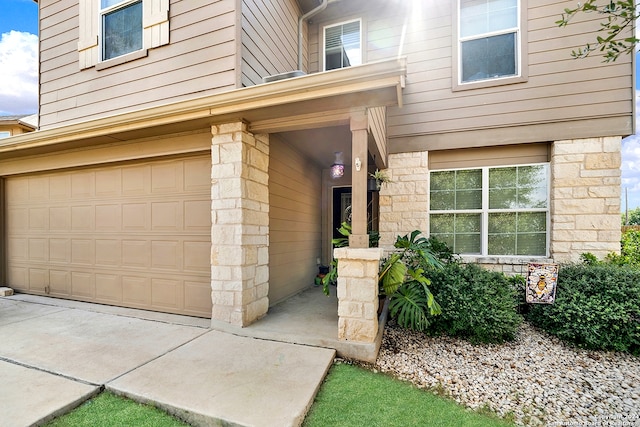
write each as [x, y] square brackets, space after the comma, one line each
[505, 259]
[121, 59]
[488, 83]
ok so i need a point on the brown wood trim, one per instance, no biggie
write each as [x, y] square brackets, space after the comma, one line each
[489, 156]
[475, 138]
[109, 153]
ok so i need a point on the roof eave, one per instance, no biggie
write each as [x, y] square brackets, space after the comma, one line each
[367, 77]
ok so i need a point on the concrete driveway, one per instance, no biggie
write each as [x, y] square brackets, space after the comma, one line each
[54, 354]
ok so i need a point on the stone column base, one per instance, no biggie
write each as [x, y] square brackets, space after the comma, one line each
[358, 293]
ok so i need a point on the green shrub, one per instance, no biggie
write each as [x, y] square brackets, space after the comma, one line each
[629, 250]
[596, 306]
[589, 259]
[477, 304]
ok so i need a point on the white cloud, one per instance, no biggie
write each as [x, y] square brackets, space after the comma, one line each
[18, 73]
[631, 166]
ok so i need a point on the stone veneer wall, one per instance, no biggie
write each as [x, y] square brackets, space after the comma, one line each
[585, 197]
[404, 201]
[584, 202]
[240, 224]
[358, 293]
[510, 266]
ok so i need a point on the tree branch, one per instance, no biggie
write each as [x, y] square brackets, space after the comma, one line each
[619, 18]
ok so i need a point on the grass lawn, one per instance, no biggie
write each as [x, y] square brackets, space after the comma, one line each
[351, 396]
[109, 410]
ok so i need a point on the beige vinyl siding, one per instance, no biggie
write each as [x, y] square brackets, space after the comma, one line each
[294, 220]
[559, 88]
[269, 39]
[562, 97]
[200, 60]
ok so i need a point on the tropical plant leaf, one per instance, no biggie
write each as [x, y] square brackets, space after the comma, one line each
[331, 277]
[392, 274]
[409, 306]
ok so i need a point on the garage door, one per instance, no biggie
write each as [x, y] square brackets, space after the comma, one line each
[132, 235]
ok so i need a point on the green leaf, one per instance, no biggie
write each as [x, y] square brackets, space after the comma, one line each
[408, 306]
[393, 274]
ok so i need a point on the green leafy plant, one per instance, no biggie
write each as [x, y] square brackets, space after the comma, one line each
[631, 217]
[629, 250]
[589, 258]
[340, 242]
[617, 26]
[477, 304]
[380, 178]
[518, 282]
[412, 305]
[402, 278]
[596, 307]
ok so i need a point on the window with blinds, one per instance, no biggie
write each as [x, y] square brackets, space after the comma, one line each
[342, 45]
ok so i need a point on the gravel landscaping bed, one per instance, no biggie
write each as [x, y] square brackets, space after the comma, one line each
[535, 380]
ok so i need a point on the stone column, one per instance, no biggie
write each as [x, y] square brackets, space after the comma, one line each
[240, 224]
[585, 197]
[358, 293]
[404, 202]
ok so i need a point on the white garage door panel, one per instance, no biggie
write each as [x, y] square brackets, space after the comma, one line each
[134, 235]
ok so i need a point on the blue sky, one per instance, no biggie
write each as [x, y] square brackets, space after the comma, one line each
[18, 57]
[19, 77]
[19, 15]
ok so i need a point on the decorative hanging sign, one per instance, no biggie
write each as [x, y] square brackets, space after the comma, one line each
[541, 283]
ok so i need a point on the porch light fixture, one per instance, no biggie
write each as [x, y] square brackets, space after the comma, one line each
[337, 168]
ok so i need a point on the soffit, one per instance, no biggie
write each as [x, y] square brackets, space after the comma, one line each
[337, 9]
[307, 5]
[317, 100]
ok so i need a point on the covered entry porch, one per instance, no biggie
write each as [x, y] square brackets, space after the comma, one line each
[237, 131]
[299, 150]
[308, 318]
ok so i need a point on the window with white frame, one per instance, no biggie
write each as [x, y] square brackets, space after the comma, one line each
[489, 39]
[5, 134]
[121, 27]
[116, 31]
[491, 211]
[342, 45]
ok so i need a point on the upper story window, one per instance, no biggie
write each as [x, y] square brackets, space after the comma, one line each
[116, 31]
[121, 23]
[489, 37]
[342, 45]
[495, 211]
[4, 134]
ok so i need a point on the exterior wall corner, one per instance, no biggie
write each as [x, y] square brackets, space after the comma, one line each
[405, 200]
[585, 198]
[240, 224]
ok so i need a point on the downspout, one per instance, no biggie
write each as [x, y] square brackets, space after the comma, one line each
[322, 6]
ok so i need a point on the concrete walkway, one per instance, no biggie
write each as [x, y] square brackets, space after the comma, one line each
[56, 354]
